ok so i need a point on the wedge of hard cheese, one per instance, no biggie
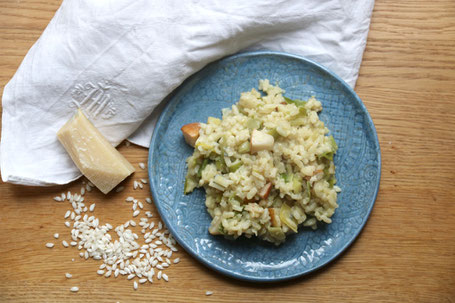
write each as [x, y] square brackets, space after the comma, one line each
[95, 157]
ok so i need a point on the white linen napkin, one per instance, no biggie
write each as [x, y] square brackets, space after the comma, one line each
[118, 59]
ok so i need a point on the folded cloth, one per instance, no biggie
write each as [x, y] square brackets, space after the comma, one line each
[118, 59]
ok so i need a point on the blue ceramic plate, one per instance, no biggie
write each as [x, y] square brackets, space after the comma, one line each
[358, 165]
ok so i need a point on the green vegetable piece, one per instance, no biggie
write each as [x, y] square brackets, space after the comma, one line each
[202, 167]
[326, 172]
[298, 121]
[332, 181]
[327, 155]
[296, 184]
[308, 189]
[221, 229]
[286, 177]
[233, 168]
[222, 142]
[189, 186]
[285, 217]
[303, 111]
[298, 103]
[242, 110]
[274, 133]
[244, 147]
[333, 143]
[253, 124]
[186, 187]
[277, 233]
[219, 163]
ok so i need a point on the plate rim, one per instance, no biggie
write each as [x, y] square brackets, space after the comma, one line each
[216, 267]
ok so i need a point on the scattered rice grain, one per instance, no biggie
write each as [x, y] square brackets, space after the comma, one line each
[74, 289]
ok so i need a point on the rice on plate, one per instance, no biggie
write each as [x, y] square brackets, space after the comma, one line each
[266, 166]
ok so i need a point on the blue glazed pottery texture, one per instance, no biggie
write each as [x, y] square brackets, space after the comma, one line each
[358, 165]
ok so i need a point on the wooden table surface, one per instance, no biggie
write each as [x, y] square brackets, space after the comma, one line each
[406, 252]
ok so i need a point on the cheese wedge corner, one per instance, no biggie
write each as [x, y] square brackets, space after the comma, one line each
[95, 157]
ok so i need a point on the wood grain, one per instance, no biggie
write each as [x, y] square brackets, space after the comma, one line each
[406, 253]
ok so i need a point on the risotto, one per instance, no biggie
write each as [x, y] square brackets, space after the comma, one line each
[266, 166]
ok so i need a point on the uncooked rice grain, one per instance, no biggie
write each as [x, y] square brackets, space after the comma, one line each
[120, 257]
[74, 289]
[165, 277]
